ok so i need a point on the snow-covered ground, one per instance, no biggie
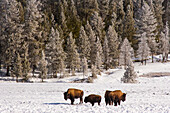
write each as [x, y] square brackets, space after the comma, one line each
[149, 95]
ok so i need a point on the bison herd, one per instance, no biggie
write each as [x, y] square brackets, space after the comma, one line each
[110, 97]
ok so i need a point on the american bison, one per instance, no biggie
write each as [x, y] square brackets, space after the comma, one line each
[73, 94]
[93, 99]
[114, 96]
[107, 97]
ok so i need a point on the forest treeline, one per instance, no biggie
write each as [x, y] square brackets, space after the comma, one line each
[68, 36]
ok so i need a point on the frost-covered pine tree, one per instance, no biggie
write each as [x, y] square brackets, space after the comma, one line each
[130, 75]
[106, 53]
[98, 60]
[26, 63]
[159, 10]
[143, 49]
[164, 43]
[43, 67]
[18, 67]
[113, 44]
[60, 55]
[166, 16]
[3, 22]
[73, 8]
[103, 6]
[85, 66]
[93, 46]
[126, 53]
[84, 44]
[99, 55]
[33, 33]
[73, 60]
[94, 71]
[63, 20]
[148, 24]
[120, 14]
[13, 29]
[55, 53]
[97, 24]
[129, 23]
[50, 51]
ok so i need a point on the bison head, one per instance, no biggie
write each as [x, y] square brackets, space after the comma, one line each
[65, 95]
[124, 97]
[86, 99]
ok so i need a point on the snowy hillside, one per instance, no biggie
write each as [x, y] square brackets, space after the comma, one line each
[149, 95]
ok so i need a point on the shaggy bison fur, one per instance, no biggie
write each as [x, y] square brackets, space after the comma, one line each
[107, 97]
[93, 99]
[114, 96]
[73, 94]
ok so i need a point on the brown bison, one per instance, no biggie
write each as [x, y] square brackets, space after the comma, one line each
[114, 96]
[93, 99]
[73, 94]
[107, 97]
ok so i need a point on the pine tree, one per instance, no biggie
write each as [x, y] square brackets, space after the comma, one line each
[97, 25]
[94, 71]
[113, 44]
[106, 53]
[117, 7]
[73, 60]
[93, 48]
[84, 44]
[148, 24]
[55, 53]
[103, 6]
[100, 52]
[130, 75]
[62, 18]
[43, 67]
[129, 24]
[33, 33]
[85, 66]
[166, 15]
[26, 63]
[143, 50]
[98, 60]
[164, 43]
[14, 30]
[60, 55]
[18, 67]
[158, 10]
[73, 20]
[3, 23]
[126, 53]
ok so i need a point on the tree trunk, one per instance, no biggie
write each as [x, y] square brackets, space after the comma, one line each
[166, 56]
[16, 78]
[7, 73]
[152, 57]
[0, 65]
[33, 70]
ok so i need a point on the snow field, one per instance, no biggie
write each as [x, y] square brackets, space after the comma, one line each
[149, 95]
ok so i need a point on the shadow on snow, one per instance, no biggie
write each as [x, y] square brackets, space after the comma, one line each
[56, 103]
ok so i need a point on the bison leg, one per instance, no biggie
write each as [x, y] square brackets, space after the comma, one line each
[110, 102]
[98, 103]
[106, 100]
[72, 101]
[115, 103]
[81, 100]
[119, 102]
[92, 103]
